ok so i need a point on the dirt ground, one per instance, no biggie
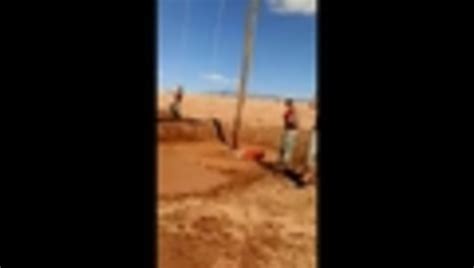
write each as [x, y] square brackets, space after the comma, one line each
[216, 210]
[257, 112]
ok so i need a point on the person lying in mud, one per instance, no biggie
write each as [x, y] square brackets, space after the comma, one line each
[290, 133]
[175, 107]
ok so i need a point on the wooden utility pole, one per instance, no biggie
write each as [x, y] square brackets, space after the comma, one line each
[248, 48]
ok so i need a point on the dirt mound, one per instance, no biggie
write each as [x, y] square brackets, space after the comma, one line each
[209, 130]
[192, 130]
[186, 130]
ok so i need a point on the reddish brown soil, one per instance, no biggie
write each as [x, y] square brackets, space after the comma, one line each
[217, 211]
[180, 171]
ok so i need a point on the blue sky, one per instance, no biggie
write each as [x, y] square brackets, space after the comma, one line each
[204, 53]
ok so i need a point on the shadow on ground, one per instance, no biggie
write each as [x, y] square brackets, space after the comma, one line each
[289, 174]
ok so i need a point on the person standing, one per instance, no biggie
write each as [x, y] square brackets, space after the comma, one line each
[290, 133]
[310, 174]
[175, 107]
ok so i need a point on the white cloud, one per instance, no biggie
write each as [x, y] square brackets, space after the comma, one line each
[303, 7]
[218, 78]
